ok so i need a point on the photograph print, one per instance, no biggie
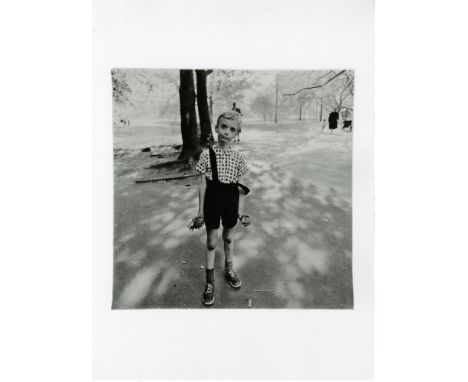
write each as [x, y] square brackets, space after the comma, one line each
[232, 188]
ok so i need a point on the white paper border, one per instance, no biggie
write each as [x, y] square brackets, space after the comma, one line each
[271, 344]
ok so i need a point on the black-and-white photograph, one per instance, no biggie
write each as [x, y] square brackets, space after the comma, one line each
[232, 188]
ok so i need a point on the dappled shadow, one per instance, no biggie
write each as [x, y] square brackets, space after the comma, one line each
[296, 253]
[156, 259]
[306, 240]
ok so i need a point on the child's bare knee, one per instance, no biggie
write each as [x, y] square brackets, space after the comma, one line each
[227, 238]
[211, 244]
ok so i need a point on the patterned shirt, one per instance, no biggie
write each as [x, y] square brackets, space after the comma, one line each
[231, 164]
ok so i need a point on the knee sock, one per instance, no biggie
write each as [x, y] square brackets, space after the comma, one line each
[210, 276]
[228, 266]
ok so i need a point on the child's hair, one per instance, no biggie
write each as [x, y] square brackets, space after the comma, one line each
[231, 115]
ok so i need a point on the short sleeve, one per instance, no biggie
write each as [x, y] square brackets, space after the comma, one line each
[202, 165]
[242, 166]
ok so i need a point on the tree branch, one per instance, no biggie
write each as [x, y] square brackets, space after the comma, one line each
[326, 74]
[316, 86]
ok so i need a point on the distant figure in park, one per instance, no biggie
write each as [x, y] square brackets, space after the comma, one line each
[333, 120]
[125, 121]
[324, 124]
[219, 198]
[347, 120]
[239, 111]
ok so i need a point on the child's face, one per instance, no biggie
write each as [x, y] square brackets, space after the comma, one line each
[227, 130]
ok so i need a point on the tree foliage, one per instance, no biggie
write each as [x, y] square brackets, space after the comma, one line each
[331, 89]
[121, 89]
[339, 93]
[227, 86]
[294, 106]
[262, 105]
[145, 93]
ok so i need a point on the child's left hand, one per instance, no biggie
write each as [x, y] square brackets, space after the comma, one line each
[244, 219]
[196, 223]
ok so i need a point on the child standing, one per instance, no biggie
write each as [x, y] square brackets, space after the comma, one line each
[219, 198]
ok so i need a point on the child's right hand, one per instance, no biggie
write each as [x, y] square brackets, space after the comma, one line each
[244, 219]
[196, 223]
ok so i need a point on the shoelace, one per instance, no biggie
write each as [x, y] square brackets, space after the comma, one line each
[232, 274]
[209, 288]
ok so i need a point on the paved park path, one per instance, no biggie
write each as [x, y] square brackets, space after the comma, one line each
[296, 254]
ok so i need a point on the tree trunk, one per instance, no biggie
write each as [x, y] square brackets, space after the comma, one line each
[211, 100]
[276, 102]
[321, 107]
[211, 106]
[206, 135]
[188, 118]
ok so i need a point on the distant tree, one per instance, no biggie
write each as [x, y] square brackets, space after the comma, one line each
[188, 118]
[318, 84]
[340, 93]
[154, 84]
[286, 107]
[302, 100]
[227, 86]
[170, 109]
[284, 81]
[153, 93]
[262, 105]
[336, 89]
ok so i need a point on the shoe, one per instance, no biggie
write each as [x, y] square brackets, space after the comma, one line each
[233, 279]
[208, 295]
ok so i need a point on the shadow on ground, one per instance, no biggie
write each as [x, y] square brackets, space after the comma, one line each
[296, 254]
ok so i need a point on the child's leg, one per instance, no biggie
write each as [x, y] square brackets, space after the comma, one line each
[229, 273]
[228, 248]
[211, 243]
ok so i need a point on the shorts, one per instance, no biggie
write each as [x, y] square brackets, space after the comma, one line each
[221, 202]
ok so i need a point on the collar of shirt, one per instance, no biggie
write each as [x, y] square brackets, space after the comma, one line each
[221, 151]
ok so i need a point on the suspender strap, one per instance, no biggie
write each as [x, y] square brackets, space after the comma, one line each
[214, 172]
[214, 169]
[244, 188]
